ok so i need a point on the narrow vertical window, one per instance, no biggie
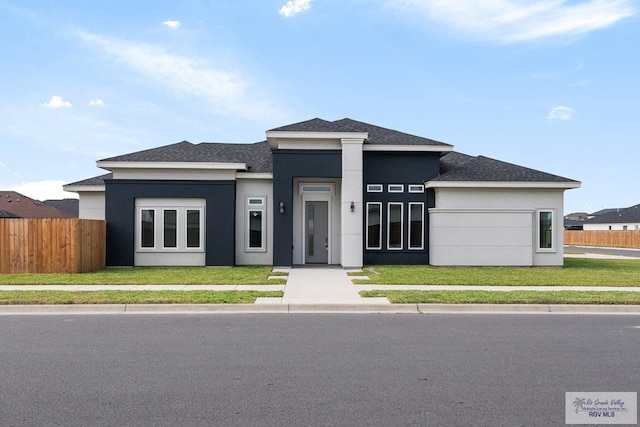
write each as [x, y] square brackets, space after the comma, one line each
[545, 230]
[193, 228]
[255, 229]
[416, 225]
[374, 225]
[394, 229]
[147, 235]
[170, 235]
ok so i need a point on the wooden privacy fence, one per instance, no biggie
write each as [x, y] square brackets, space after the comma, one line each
[609, 238]
[68, 245]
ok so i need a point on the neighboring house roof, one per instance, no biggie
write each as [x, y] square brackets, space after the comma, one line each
[604, 211]
[257, 156]
[629, 215]
[26, 207]
[376, 135]
[71, 206]
[485, 169]
[7, 214]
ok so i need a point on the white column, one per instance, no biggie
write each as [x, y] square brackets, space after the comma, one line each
[351, 238]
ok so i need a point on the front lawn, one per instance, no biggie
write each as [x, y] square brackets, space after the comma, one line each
[511, 297]
[576, 272]
[133, 297]
[152, 276]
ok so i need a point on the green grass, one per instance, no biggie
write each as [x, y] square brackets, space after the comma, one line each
[576, 272]
[511, 297]
[152, 276]
[133, 297]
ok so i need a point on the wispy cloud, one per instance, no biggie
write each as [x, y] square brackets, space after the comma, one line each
[228, 92]
[96, 103]
[514, 21]
[294, 7]
[57, 102]
[561, 112]
[581, 83]
[174, 25]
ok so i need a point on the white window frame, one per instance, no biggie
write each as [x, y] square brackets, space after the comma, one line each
[389, 248]
[416, 188]
[539, 213]
[421, 247]
[375, 188]
[395, 188]
[159, 206]
[256, 204]
[379, 247]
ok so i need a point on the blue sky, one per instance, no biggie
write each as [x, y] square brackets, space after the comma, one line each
[553, 85]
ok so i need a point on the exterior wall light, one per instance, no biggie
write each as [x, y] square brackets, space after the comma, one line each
[281, 207]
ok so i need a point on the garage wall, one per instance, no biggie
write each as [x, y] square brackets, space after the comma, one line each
[493, 226]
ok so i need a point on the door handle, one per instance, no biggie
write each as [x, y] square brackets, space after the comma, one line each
[326, 242]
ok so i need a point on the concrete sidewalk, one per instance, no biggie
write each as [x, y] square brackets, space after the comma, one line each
[374, 287]
[72, 288]
[323, 285]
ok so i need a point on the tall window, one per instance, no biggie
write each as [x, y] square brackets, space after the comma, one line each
[147, 228]
[416, 225]
[256, 224]
[374, 225]
[545, 230]
[193, 228]
[170, 235]
[394, 227]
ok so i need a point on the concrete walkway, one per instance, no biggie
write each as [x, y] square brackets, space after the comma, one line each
[326, 285]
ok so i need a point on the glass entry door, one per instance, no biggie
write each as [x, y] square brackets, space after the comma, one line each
[316, 232]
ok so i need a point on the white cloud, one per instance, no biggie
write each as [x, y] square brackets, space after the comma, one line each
[581, 83]
[294, 7]
[561, 112]
[227, 91]
[172, 24]
[43, 190]
[57, 102]
[513, 21]
[96, 103]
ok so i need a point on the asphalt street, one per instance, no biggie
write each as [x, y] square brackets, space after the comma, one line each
[309, 370]
[604, 251]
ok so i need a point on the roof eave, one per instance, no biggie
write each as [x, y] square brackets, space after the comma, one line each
[423, 148]
[84, 188]
[275, 136]
[502, 184]
[111, 165]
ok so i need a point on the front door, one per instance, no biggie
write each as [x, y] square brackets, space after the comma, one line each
[316, 232]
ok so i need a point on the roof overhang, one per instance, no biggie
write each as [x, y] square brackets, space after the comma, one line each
[276, 137]
[422, 148]
[110, 166]
[502, 184]
[84, 188]
[254, 175]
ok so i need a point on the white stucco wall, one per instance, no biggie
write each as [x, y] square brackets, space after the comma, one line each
[246, 188]
[91, 205]
[493, 226]
[352, 239]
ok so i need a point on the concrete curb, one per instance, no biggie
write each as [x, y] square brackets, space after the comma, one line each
[89, 309]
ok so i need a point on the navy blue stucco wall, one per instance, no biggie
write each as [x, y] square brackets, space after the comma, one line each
[400, 168]
[289, 164]
[120, 197]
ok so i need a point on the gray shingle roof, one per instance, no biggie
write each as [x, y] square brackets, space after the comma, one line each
[631, 214]
[377, 135]
[482, 168]
[96, 180]
[257, 156]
